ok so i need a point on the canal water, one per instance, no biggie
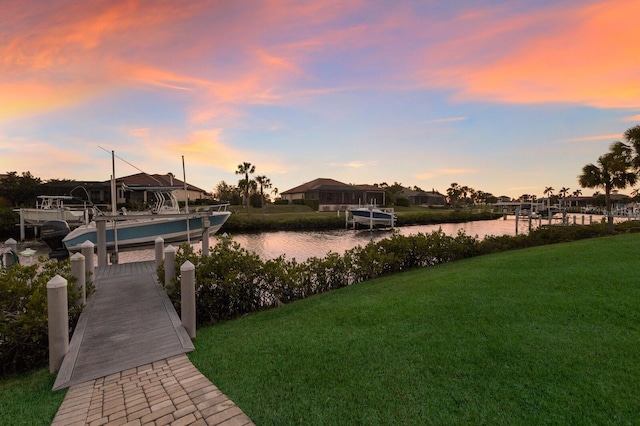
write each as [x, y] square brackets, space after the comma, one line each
[303, 245]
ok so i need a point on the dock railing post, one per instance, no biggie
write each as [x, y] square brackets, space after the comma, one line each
[86, 249]
[205, 235]
[22, 226]
[79, 273]
[11, 252]
[188, 298]
[101, 239]
[58, 320]
[159, 253]
[169, 264]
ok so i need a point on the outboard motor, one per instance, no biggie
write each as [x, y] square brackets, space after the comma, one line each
[52, 233]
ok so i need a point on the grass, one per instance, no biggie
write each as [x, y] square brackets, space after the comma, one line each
[549, 335]
[539, 336]
[27, 399]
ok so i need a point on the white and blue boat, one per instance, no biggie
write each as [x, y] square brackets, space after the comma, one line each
[165, 220]
[373, 216]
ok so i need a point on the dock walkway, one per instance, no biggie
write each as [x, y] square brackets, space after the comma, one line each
[126, 362]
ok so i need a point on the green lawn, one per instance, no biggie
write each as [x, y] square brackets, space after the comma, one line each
[27, 399]
[538, 336]
[549, 335]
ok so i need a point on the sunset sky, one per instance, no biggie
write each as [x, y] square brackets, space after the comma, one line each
[504, 97]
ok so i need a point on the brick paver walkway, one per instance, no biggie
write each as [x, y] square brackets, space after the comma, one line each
[167, 392]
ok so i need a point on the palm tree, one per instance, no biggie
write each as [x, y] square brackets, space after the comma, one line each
[264, 183]
[548, 191]
[245, 184]
[454, 192]
[632, 136]
[613, 171]
[577, 193]
[563, 192]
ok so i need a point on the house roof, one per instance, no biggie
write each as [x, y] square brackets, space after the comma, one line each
[327, 184]
[316, 184]
[155, 180]
[411, 193]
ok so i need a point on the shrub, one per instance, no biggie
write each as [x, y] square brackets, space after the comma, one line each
[232, 281]
[24, 338]
[402, 202]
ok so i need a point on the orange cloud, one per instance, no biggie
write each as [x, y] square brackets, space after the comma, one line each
[355, 164]
[424, 176]
[610, 137]
[455, 171]
[586, 55]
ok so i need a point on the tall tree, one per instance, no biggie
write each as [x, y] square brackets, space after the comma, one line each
[454, 192]
[614, 170]
[563, 193]
[245, 184]
[21, 191]
[264, 183]
[228, 193]
[632, 136]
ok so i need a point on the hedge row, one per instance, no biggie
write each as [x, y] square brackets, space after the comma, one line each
[24, 339]
[232, 281]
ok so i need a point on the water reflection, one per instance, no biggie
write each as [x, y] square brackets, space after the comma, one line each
[303, 245]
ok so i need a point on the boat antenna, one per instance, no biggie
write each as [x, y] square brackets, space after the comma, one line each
[138, 169]
[186, 199]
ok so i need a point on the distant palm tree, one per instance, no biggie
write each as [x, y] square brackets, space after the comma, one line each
[613, 171]
[577, 193]
[548, 191]
[632, 136]
[264, 183]
[454, 192]
[563, 192]
[245, 184]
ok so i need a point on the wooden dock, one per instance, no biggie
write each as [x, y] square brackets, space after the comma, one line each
[127, 323]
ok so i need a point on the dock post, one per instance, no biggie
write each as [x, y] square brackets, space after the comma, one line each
[22, 226]
[205, 236]
[58, 319]
[79, 273]
[188, 298]
[159, 246]
[101, 238]
[169, 265]
[12, 254]
[86, 249]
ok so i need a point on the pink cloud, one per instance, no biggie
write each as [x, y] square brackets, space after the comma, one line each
[584, 55]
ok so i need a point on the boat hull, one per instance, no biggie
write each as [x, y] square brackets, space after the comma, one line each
[141, 232]
[373, 217]
[40, 216]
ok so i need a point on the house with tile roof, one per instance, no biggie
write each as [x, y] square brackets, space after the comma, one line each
[99, 192]
[425, 198]
[332, 195]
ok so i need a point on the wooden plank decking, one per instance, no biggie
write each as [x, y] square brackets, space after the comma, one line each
[127, 323]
